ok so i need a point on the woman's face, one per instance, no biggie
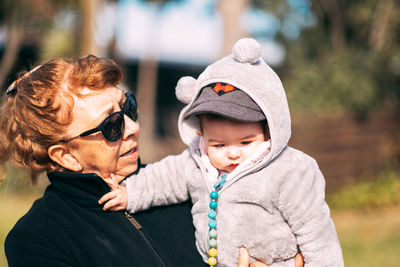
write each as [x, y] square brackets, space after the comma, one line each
[94, 153]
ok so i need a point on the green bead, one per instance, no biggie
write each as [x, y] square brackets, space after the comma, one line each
[213, 233]
[212, 243]
[212, 214]
[212, 223]
[214, 194]
[213, 204]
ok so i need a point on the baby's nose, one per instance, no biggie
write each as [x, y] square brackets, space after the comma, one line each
[233, 153]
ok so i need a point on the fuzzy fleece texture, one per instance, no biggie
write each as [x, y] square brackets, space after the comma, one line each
[274, 206]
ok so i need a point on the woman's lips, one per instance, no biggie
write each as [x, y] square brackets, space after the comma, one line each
[131, 151]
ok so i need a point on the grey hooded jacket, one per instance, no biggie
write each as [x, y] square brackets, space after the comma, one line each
[275, 206]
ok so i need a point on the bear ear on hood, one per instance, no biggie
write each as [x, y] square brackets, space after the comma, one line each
[185, 89]
[247, 50]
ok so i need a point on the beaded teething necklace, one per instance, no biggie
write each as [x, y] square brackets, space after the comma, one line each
[212, 214]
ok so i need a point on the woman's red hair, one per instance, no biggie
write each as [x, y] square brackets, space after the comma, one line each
[37, 113]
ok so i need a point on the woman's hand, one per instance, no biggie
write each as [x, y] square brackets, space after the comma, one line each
[117, 199]
[299, 260]
[244, 260]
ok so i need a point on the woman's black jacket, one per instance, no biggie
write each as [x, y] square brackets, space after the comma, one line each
[67, 227]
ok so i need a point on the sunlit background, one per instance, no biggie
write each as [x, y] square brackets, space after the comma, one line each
[339, 62]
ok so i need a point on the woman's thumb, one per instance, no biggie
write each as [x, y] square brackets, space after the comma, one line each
[244, 257]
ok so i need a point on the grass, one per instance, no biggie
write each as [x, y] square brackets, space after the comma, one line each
[12, 207]
[369, 238]
[367, 218]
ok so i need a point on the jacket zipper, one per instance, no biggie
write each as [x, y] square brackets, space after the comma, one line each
[138, 227]
[133, 221]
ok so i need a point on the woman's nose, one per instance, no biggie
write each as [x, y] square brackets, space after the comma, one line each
[131, 127]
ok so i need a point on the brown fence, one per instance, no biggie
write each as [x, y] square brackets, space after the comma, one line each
[346, 147]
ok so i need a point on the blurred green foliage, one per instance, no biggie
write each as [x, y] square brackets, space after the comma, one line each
[382, 191]
[33, 17]
[58, 43]
[346, 80]
[17, 181]
[347, 58]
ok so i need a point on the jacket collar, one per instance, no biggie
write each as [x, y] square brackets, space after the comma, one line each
[84, 188]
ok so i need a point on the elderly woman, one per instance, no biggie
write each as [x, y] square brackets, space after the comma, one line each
[68, 118]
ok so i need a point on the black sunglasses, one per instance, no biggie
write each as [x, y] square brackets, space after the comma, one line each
[113, 127]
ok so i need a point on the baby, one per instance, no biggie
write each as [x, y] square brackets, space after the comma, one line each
[248, 187]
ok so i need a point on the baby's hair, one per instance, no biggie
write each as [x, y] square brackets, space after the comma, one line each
[37, 110]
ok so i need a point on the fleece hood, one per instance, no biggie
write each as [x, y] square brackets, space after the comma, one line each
[246, 70]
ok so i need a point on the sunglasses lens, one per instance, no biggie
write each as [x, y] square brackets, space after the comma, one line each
[130, 107]
[114, 127]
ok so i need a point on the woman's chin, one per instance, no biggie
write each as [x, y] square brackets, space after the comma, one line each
[126, 169]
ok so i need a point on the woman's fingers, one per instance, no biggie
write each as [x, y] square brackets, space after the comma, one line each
[258, 264]
[244, 260]
[299, 260]
[244, 257]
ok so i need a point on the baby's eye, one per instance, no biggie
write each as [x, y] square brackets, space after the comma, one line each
[245, 142]
[219, 145]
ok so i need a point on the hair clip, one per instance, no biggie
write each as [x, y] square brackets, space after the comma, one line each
[13, 86]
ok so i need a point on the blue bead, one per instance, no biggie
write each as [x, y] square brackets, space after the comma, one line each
[212, 223]
[213, 233]
[213, 204]
[214, 194]
[212, 243]
[212, 214]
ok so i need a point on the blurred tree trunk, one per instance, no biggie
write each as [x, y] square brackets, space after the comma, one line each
[88, 14]
[380, 36]
[231, 12]
[10, 53]
[333, 10]
[146, 96]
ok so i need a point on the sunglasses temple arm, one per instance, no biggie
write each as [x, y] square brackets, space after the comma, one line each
[90, 132]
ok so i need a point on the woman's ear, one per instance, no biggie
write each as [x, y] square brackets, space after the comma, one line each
[60, 154]
[199, 133]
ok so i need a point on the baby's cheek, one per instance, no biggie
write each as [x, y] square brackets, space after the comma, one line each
[217, 160]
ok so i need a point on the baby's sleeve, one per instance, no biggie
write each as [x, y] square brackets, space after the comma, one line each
[302, 204]
[160, 183]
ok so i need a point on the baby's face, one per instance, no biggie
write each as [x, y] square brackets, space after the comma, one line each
[229, 143]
